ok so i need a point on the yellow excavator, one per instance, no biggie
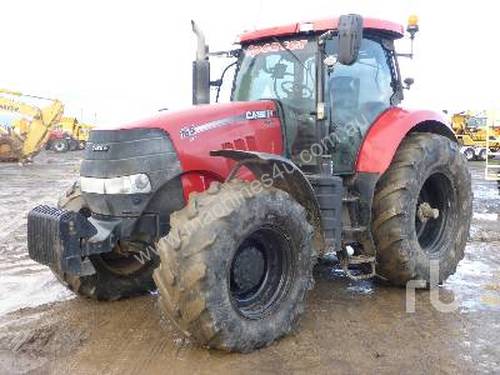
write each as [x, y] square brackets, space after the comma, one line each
[25, 124]
[471, 131]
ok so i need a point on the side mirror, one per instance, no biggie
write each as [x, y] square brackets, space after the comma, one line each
[350, 35]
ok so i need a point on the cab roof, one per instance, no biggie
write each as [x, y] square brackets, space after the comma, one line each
[385, 28]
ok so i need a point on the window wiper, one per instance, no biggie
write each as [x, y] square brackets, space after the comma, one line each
[308, 71]
[289, 51]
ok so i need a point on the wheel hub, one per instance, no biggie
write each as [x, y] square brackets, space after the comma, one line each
[432, 212]
[260, 273]
[426, 212]
[248, 269]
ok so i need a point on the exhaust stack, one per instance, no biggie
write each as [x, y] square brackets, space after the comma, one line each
[201, 69]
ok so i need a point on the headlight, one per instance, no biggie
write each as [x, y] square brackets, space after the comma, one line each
[134, 184]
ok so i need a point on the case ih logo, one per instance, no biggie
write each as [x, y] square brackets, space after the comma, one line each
[259, 115]
[191, 132]
[292, 45]
[100, 148]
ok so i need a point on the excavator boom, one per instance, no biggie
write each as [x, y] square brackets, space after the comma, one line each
[25, 123]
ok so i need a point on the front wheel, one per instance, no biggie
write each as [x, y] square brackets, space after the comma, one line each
[469, 154]
[422, 210]
[73, 144]
[482, 155]
[60, 145]
[126, 271]
[236, 266]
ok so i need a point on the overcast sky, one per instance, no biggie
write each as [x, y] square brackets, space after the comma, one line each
[124, 60]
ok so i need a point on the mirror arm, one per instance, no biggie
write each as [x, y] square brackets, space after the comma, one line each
[218, 83]
[231, 53]
[325, 36]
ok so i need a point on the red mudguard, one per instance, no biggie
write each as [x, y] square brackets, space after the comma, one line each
[385, 135]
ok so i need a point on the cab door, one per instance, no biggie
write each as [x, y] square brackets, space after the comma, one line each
[355, 96]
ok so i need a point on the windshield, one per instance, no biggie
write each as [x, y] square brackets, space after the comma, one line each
[280, 69]
[476, 122]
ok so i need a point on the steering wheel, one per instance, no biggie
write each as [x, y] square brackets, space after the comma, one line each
[290, 87]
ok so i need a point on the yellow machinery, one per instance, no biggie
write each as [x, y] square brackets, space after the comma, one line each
[492, 168]
[68, 135]
[475, 135]
[25, 123]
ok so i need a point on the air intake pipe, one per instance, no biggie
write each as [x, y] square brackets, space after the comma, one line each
[201, 69]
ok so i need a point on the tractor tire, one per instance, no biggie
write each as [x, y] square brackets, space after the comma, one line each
[236, 266]
[428, 173]
[116, 276]
[60, 145]
[73, 144]
[482, 155]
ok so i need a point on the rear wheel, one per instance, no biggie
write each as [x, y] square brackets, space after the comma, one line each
[482, 155]
[236, 266]
[60, 145]
[73, 144]
[422, 210]
[124, 272]
[469, 154]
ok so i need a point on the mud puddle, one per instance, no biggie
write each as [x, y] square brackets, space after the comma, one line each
[24, 283]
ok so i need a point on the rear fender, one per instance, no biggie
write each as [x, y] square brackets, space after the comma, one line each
[274, 170]
[386, 134]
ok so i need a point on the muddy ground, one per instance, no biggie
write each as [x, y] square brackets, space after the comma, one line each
[349, 327]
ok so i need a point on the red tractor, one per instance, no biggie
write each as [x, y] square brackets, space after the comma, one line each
[227, 207]
[60, 141]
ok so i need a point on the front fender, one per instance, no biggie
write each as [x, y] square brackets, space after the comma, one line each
[283, 174]
[389, 130]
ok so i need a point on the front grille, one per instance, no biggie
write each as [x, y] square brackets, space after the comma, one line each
[123, 152]
[113, 153]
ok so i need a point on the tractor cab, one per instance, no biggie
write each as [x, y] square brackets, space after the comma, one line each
[324, 100]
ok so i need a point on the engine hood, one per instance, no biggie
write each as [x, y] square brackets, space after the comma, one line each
[194, 132]
[178, 122]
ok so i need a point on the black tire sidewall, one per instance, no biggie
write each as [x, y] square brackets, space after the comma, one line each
[446, 259]
[259, 332]
[196, 259]
[63, 143]
[105, 284]
[401, 261]
[471, 154]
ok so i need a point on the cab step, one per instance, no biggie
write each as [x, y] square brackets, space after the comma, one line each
[351, 230]
[357, 260]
